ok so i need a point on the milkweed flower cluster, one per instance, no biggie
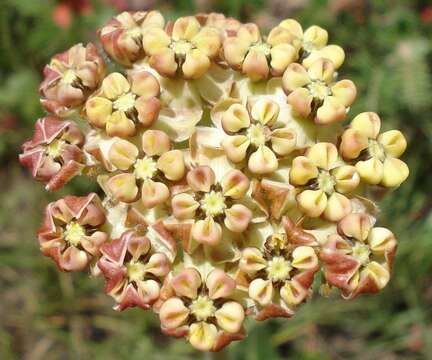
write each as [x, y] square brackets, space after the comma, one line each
[228, 183]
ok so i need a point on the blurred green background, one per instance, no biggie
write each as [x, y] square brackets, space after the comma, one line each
[48, 315]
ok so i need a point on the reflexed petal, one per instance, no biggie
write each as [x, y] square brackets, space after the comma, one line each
[235, 118]
[230, 317]
[352, 144]
[237, 218]
[331, 111]
[356, 226]
[172, 165]
[252, 260]
[283, 141]
[235, 147]
[312, 202]
[186, 283]
[235, 184]
[153, 193]
[345, 91]
[115, 85]
[295, 77]
[338, 206]
[394, 142]
[346, 177]
[123, 187]
[324, 155]
[122, 154]
[371, 171]
[395, 172]
[201, 178]
[265, 111]
[302, 171]
[207, 232]
[184, 206]
[261, 291]
[219, 284]
[304, 258]
[155, 142]
[301, 102]
[367, 124]
[202, 336]
[173, 313]
[263, 161]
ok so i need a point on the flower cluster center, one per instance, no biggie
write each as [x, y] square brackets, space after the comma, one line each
[376, 150]
[73, 233]
[54, 149]
[213, 203]
[145, 168]
[258, 134]
[278, 269]
[262, 48]
[361, 252]
[181, 47]
[326, 182]
[319, 89]
[69, 77]
[125, 102]
[136, 271]
[202, 308]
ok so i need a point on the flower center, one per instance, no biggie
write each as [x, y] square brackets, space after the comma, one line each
[69, 77]
[202, 308]
[73, 233]
[181, 47]
[278, 269]
[326, 182]
[135, 271]
[361, 252]
[213, 203]
[319, 89]
[125, 102]
[309, 46]
[376, 150]
[145, 168]
[258, 134]
[54, 149]
[262, 48]
[134, 32]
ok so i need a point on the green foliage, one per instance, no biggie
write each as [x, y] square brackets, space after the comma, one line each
[49, 315]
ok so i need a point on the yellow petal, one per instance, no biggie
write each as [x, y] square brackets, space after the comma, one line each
[312, 202]
[370, 171]
[302, 171]
[324, 155]
[338, 206]
[368, 124]
[394, 142]
[395, 172]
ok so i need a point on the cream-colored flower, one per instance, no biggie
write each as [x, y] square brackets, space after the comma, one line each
[122, 104]
[313, 92]
[376, 155]
[312, 44]
[185, 48]
[323, 180]
[259, 57]
[256, 136]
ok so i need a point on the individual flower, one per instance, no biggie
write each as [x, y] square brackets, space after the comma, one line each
[122, 36]
[256, 135]
[279, 276]
[360, 258]
[259, 57]
[312, 44]
[71, 233]
[313, 92]
[376, 155]
[323, 180]
[70, 78]
[54, 154]
[202, 310]
[133, 269]
[184, 47]
[211, 203]
[121, 104]
[144, 174]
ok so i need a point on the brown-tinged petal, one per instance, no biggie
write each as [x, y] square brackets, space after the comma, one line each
[208, 41]
[281, 56]
[265, 111]
[201, 178]
[115, 85]
[292, 293]
[155, 40]
[158, 265]
[118, 124]
[184, 206]
[234, 184]
[148, 110]
[237, 218]
[322, 70]
[301, 101]
[155, 142]
[352, 144]
[381, 240]
[261, 291]
[295, 77]
[153, 193]
[324, 155]
[235, 50]
[331, 111]
[367, 124]
[304, 258]
[163, 61]
[219, 284]
[334, 53]
[185, 28]
[123, 187]
[98, 111]
[255, 65]
[196, 64]
[145, 85]
[355, 226]
[316, 35]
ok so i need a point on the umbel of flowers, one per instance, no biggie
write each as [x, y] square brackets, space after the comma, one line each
[228, 185]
